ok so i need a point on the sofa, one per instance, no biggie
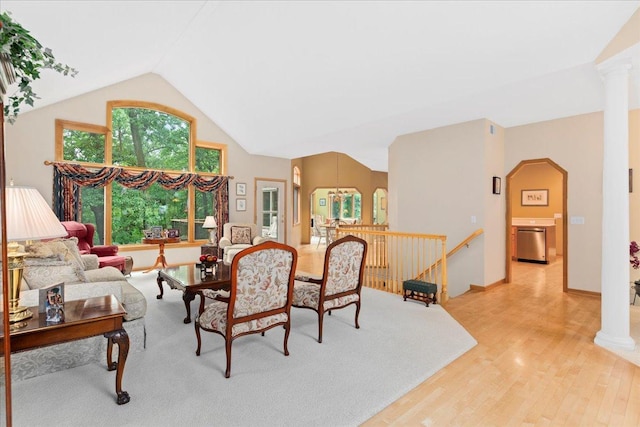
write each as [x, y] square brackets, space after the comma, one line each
[238, 236]
[59, 260]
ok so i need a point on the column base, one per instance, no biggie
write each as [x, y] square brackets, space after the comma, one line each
[604, 340]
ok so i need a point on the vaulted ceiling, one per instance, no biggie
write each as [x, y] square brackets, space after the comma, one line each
[291, 79]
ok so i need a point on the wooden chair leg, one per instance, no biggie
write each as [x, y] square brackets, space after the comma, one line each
[196, 324]
[287, 329]
[228, 342]
[320, 318]
[357, 314]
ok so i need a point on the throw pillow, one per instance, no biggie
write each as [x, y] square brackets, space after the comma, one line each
[73, 253]
[47, 273]
[35, 263]
[66, 249]
[241, 235]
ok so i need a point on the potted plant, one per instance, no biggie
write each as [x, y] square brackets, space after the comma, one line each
[22, 58]
[634, 248]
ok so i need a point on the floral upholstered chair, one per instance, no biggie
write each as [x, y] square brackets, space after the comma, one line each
[341, 280]
[259, 298]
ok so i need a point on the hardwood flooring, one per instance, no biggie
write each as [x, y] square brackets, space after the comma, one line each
[535, 362]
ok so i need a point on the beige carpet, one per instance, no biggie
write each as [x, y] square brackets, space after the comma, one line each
[344, 381]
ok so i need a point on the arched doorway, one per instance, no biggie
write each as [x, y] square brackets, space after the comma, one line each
[511, 199]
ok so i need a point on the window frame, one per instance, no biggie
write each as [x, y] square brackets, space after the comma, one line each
[62, 125]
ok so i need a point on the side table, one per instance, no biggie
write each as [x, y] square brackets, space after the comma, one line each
[161, 260]
[83, 318]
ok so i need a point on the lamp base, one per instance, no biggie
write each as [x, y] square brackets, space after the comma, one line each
[19, 314]
[212, 237]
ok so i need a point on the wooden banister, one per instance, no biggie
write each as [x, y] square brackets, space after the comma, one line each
[462, 244]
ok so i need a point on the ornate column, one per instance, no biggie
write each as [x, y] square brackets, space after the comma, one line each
[615, 209]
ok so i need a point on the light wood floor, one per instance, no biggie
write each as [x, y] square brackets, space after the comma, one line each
[535, 362]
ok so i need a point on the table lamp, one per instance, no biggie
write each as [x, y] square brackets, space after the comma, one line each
[210, 223]
[29, 217]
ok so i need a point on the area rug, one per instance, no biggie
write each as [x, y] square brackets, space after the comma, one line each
[344, 381]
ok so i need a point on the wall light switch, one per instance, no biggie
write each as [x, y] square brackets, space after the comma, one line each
[578, 220]
[473, 219]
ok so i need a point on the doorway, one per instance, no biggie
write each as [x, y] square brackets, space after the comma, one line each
[270, 208]
[548, 177]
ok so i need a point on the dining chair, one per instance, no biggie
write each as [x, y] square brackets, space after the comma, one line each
[341, 280]
[259, 297]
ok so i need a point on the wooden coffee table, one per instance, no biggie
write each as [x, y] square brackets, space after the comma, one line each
[84, 318]
[187, 278]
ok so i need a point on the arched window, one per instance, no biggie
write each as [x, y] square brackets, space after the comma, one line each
[142, 136]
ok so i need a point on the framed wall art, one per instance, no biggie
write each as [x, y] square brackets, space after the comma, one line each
[323, 202]
[497, 184]
[535, 198]
[241, 205]
[241, 189]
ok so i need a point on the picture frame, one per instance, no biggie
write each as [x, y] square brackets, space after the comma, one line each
[535, 197]
[172, 233]
[497, 185]
[241, 189]
[241, 205]
[156, 232]
[51, 302]
[322, 202]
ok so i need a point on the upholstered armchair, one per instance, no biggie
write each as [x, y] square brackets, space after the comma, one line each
[341, 280]
[107, 254]
[259, 297]
[238, 236]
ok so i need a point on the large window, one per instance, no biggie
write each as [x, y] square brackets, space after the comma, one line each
[143, 136]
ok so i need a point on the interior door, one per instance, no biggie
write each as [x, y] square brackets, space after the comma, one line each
[271, 208]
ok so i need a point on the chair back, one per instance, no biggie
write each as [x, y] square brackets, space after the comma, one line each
[84, 233]
[261, 281]
[319, 230]
[344, 265]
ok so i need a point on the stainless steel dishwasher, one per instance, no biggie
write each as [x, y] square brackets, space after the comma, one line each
[531, 244]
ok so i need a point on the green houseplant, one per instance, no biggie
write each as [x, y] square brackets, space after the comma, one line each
[22, 57]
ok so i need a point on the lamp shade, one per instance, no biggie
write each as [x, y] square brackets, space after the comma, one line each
[29, 216]
[209, 222]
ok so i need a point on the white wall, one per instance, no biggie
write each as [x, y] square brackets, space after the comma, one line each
[494, 206]
[31, 141]
[437, 182]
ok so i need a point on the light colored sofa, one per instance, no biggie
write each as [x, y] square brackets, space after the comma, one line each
[237, 236]
[56, 261]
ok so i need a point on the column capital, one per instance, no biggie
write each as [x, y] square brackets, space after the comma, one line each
[621, 62]
[617, 67]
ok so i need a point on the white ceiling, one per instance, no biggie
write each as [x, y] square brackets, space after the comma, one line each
[292, 79]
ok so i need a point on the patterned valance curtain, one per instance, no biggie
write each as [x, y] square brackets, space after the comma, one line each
[68, 178]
